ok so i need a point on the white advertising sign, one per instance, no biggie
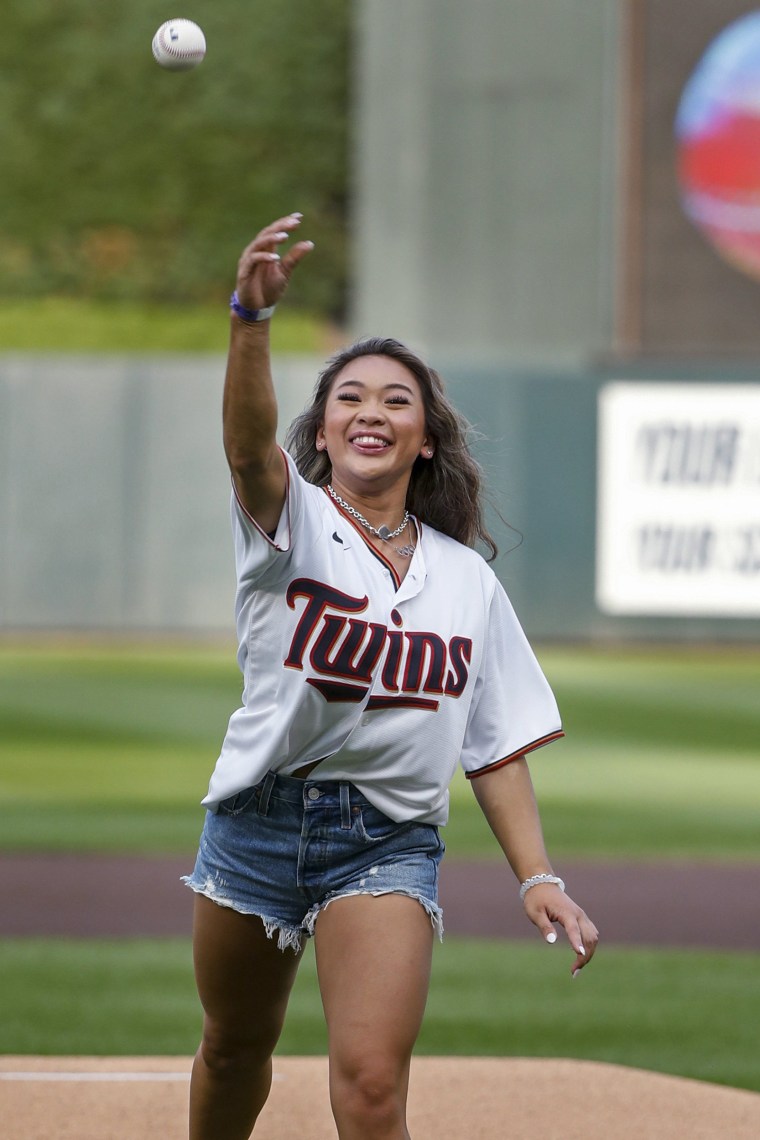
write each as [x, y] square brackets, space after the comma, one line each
[678, 506]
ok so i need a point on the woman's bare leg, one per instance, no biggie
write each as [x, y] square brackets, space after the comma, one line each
[244, 982]
[373, 959]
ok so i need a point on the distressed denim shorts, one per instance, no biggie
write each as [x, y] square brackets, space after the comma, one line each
[287, 847]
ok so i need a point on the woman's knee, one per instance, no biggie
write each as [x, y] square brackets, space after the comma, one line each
[227, 1048]
[372, 1090]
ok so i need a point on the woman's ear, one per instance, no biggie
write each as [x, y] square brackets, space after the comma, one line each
[319, 441]
[427, 450]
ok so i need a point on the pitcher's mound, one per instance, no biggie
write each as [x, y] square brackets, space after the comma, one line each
[451, 1098]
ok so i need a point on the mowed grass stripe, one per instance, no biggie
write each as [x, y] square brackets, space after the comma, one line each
[113, 747]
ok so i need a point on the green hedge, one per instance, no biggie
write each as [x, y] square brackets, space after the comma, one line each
[122, 180]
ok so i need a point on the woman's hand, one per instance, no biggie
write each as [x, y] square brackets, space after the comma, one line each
[263, 274]
[546, 904]
[506, 798]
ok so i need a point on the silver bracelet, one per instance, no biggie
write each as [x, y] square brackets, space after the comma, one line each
[538, 880]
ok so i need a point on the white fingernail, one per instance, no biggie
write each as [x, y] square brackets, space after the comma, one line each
[581, 950]
[551, 937]
[274, 257]
[282, 234]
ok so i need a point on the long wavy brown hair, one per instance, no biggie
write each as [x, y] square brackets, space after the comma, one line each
[445, 491]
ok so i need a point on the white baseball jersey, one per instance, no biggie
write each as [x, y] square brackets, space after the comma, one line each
[389, 684]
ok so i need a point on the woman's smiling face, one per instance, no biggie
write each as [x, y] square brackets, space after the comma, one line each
[374, 425]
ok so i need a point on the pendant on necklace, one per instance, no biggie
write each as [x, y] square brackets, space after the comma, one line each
[384, 532]
[405, 551]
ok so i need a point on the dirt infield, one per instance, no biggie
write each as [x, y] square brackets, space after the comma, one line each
[451, 1098]
[107, 896]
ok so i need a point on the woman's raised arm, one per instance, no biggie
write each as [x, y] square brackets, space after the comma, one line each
[250, 404]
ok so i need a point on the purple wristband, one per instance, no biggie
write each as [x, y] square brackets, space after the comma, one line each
[250, 316]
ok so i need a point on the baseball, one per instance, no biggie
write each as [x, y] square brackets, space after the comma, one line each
[179, 45]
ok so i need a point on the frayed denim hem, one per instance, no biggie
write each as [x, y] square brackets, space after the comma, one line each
[434, 913]
[288, 937]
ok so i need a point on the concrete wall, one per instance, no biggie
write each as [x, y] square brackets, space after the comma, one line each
[114, 491]
[486, 159]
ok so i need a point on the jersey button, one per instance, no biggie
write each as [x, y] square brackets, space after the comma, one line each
[313, 793]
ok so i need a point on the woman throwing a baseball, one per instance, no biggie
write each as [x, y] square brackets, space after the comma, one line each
[378, 652]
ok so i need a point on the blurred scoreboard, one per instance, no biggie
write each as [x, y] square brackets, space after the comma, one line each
[679, 298]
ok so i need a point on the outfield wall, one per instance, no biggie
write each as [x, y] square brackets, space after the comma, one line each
[114, 498]
[114, 491]
[684, 527]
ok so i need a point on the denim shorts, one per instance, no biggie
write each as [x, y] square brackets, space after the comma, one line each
[287, 847]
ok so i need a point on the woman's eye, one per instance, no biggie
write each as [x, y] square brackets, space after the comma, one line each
[398, 400]
[348, 396]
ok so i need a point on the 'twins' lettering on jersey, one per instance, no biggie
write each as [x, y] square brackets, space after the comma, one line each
[345, 651]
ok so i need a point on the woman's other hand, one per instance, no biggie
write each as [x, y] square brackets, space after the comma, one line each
[546, 904]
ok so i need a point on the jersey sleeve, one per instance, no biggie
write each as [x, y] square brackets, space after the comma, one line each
[257, 552]
[514, 710]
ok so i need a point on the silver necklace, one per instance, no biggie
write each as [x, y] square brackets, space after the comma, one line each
[381, 532]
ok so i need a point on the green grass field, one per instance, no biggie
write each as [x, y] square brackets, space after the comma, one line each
[114, 746]
[691, 1014]
[105, 747]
